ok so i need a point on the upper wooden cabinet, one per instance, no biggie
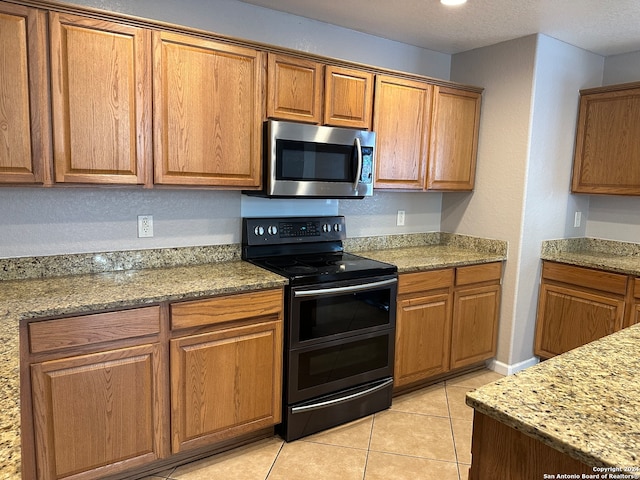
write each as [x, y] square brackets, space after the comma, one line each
[207, 112]
[607, 141]
[402, 123]
[101, 100]
[427, 135]
[348, 97]
[294, 87]
[454, 139]
[25, 154]
[298, 89]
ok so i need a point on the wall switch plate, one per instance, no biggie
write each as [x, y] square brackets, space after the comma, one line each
[577, 219]
[145, 226]
[400, 218]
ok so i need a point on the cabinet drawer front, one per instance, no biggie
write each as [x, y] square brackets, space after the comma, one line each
[422, 281]
[51, 335]
[226, 308]
[585, 277]
[478, 273]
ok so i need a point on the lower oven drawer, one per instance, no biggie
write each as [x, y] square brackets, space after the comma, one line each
[325, 368]
[328, 411]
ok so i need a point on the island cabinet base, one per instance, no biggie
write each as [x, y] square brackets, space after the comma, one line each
[500, 452]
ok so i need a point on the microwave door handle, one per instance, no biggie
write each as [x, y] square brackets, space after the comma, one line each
[358, 148]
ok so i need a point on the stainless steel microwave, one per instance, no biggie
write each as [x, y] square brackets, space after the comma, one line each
[303, 160]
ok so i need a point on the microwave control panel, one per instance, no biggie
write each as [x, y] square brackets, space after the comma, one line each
[367, 165]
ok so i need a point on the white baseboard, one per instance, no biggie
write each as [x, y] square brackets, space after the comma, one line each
[506, 369]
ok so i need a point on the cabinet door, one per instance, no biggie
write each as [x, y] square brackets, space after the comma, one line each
[294, 89]
[25, 156]
[423, 333]
[454, 139]
[569, 318]
[402, 124]
[207, 112]
[225, 383]
[348, 97]
[607, 143]
[101, 101]
[475, 325]
[98, 414]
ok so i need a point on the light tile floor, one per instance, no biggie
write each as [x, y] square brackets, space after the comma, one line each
[424, 435]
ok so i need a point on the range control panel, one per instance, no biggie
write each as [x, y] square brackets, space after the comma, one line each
[273, 231]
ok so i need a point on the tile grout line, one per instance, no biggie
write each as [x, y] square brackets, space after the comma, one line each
[275, 459]
[366, 460]
[453, 436]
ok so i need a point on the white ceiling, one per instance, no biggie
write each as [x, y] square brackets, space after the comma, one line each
[605, 27]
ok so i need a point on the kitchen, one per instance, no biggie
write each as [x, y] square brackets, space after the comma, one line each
[529, 109]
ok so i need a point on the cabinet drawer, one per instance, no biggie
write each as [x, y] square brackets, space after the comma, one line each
[422, 281]
[227, 308]
[51, 335]
[585, 277]
[478, 273]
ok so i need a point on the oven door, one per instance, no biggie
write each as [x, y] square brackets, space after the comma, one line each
[330, 311]
[328, 367]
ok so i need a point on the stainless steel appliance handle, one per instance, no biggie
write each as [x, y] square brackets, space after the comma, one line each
[359, 170]
[347, 289]
[337, 401]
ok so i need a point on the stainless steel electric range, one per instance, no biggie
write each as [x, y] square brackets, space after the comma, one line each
[340, 314]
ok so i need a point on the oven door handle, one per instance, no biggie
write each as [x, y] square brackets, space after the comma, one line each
[347, 289]
[337, 401]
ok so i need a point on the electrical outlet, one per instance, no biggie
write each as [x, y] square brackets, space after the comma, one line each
[400, 218]
[577, 219]
[145, 226]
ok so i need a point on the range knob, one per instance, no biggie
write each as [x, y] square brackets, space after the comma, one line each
[259, 230]
[337, 227]
[272, 229]
[326, 228]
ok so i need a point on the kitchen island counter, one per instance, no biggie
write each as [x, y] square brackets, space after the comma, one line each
[584, 403]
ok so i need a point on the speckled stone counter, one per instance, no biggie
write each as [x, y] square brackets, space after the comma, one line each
[613, 256]
[441, 250]
[584, 403]
[45, 297]
[38, 287]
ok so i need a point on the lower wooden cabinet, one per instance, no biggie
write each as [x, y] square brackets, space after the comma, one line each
[111, 393]
[98, 413]
[576, 306]
[446, 319]
[228, 381]
[475, 329]
[225, 383]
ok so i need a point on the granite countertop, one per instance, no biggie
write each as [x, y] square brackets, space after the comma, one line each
[447, 250]
[585, 403]
[613, 256]
[78, 294]
[39, 287]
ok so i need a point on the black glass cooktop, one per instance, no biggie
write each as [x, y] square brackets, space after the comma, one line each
[324, 267]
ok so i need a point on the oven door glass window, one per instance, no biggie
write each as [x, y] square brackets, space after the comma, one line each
[326, 316]
[315, 162]
[334, 365]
